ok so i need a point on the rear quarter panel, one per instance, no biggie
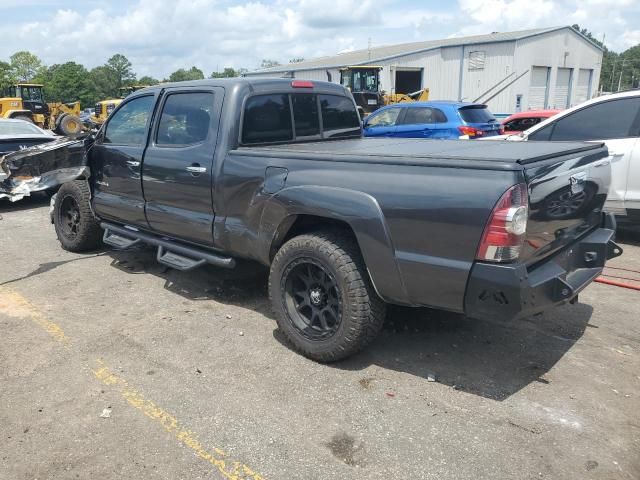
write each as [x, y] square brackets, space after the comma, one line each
[434, 216]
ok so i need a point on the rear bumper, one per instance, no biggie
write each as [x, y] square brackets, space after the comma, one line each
[506, 292]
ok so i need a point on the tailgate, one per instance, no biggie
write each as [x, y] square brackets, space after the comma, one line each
[566, 196]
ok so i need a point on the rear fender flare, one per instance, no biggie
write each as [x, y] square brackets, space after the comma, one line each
[359, 210]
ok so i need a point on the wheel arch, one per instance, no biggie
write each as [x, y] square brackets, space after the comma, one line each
[298, 210]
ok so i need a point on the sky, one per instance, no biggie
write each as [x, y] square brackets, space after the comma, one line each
[160, 36]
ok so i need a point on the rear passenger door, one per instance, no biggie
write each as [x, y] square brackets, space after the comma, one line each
[417, 122]
[117, 154]
[178, 167]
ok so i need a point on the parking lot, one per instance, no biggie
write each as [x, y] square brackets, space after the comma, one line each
[113, 366]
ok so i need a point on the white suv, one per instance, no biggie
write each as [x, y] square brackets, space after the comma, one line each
[615, 120]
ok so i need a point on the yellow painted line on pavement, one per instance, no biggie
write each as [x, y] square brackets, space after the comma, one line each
[15, 305]
[233, 470]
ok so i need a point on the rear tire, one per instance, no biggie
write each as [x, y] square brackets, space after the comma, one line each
[77, 228]
[324, 302]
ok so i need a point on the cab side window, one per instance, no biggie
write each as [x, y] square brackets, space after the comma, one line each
[128, 126]
[185, 119]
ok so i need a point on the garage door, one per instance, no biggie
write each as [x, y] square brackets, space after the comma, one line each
[563, 80]
[538, 88]
[583, 86]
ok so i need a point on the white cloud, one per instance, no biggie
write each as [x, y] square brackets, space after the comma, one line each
[160, 36]
[616, 20]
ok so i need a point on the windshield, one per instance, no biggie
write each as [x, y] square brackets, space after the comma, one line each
[30, 93]
[18, 128]
[365, 80]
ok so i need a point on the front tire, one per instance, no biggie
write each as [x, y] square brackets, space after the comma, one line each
[324, 302]
[68, 125]
[77, 228]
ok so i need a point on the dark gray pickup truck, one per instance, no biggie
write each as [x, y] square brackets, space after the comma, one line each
[276, 171]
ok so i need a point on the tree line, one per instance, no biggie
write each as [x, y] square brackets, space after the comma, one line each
[71, 81]
[619, 71]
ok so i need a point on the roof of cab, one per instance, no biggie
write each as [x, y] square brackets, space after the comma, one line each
[254, 82]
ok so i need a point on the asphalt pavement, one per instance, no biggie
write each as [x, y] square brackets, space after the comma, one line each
[113, 366]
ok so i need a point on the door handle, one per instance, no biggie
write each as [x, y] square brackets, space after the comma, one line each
[133, 163]
[196, 169]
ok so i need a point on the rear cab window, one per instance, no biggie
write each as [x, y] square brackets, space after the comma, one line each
[339, 116]
[291, 117]
[476, 114]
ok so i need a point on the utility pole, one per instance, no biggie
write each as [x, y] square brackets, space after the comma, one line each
[621, 70]
[369, 47]
[613, 72]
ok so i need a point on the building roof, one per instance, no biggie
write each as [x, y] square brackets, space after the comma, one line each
[377, 54]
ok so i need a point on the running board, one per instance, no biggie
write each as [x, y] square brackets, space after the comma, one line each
[172, 254]
[179, 262]
[119, 241]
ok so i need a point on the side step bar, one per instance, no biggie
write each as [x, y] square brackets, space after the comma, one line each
[178, 256]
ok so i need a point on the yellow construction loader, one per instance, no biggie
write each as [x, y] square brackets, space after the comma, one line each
[104, 108]
[25, 101]
[364, 83]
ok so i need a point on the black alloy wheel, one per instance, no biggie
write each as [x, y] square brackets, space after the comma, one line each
[70, 217]
[312, 299]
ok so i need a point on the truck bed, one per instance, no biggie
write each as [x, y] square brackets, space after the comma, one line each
[487, 155]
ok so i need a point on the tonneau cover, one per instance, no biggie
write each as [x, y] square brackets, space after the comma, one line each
[496, 151]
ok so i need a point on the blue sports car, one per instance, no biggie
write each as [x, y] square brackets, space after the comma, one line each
[436, 119]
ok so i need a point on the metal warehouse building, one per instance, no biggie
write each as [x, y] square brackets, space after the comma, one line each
[513, 71]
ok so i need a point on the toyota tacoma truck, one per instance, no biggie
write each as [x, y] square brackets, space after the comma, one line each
[277, 171]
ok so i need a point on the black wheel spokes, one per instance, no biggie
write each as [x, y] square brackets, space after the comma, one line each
[566, 204]
[315, 299]
[70, 214]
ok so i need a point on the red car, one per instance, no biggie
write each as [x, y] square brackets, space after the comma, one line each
[521, 121]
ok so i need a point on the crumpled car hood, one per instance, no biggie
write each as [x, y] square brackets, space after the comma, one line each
[42, 167]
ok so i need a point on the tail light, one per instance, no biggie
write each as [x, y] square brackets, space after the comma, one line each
[504, 233]
[302, 84]
[470, 131]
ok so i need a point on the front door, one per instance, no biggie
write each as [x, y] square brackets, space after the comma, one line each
[117, 153]
[177, 171]
[383, 123]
